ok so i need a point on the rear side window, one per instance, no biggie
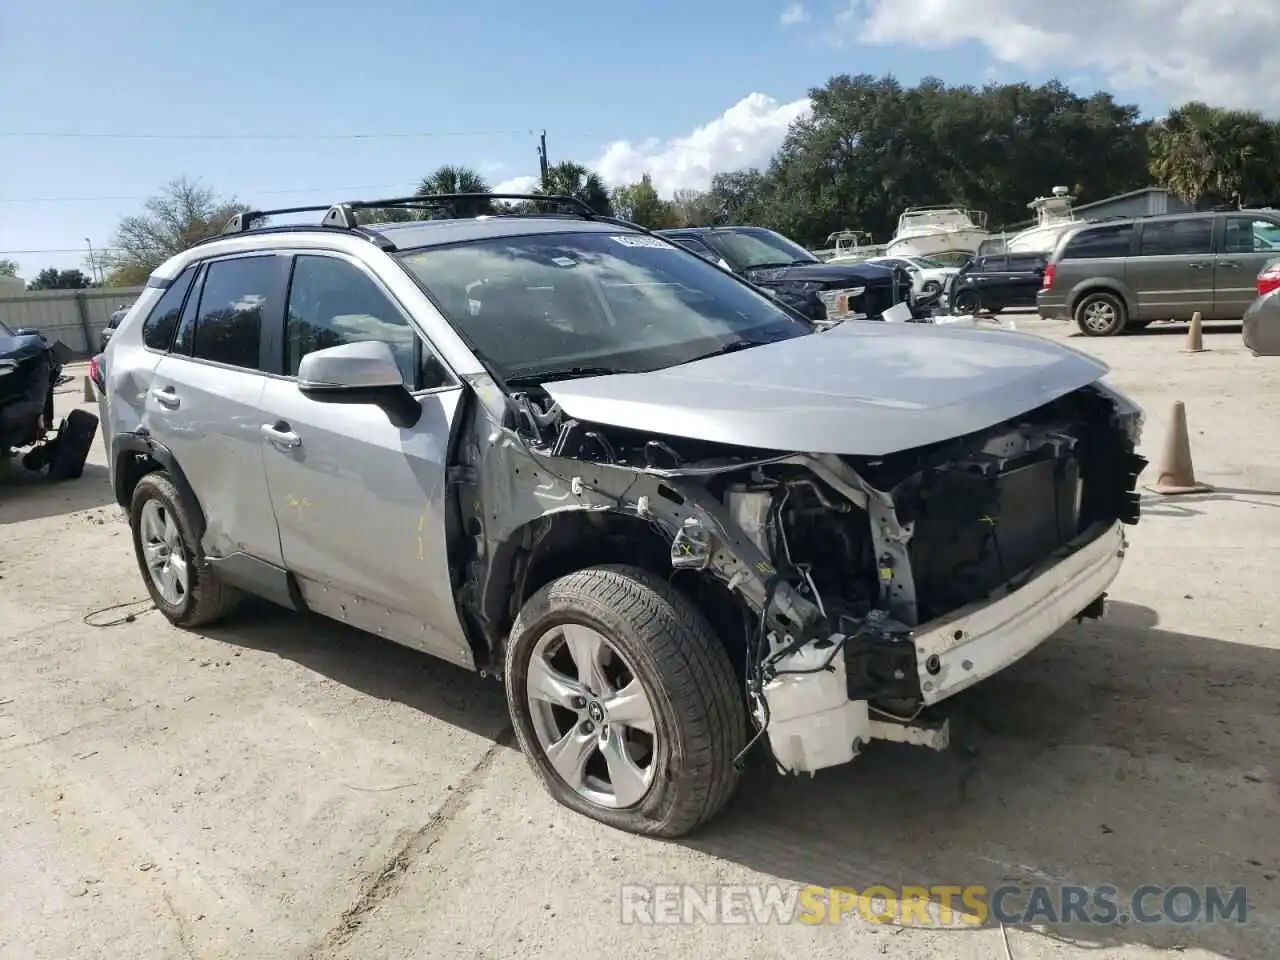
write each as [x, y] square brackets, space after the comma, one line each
[1099, 242]
[1026, 261]
[1167, 238]
[158, 328]
[235, 296]
[1246, 235]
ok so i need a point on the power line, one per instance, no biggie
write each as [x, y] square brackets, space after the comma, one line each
[408, 135]
[264, 193]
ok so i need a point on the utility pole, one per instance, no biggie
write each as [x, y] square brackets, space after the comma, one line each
[542, 156]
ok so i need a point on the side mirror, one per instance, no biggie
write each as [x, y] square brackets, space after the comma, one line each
[363, 372]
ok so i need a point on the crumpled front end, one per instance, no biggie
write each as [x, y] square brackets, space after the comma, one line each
[28, 369]
[867, 588]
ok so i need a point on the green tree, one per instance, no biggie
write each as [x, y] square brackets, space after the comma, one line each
[1206, 154]
[871, 147]
[8, 268]
[51, 278]
[182, 214]
[694, 208]
[569, 179]
[640, 203]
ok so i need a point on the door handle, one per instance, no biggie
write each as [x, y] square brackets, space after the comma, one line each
[280, 435]
[1199, 266]
[166, 397]
[1228, 263]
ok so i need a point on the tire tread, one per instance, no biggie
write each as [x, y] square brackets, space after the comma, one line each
[698, 682]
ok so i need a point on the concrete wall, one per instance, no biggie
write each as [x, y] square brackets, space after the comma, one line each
[76, 317]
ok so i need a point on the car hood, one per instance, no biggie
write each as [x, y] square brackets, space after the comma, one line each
[21, 346]
[862, 388]
[829, 275]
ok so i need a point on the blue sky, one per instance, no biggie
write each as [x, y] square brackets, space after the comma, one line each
[469, 83]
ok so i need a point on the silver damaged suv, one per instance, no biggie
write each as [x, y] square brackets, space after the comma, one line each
[684, 528]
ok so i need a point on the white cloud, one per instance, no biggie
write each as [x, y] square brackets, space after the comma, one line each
[748, 134]
[795, 13]
[745, 135]
[516, 185]
[1177, 49]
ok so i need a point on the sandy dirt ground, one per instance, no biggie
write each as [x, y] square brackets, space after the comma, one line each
[282, 787]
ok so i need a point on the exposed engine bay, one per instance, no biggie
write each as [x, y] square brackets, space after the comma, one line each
[856, 575]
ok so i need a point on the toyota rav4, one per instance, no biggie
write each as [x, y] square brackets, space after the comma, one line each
[681, 524]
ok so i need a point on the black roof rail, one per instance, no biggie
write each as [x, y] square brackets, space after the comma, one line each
[244, 220]
[343, 214]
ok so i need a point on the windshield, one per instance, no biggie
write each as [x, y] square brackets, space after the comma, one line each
[574, 304]
[927, 263]
[749, 248]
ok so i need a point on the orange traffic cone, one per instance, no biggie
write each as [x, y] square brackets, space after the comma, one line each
[1175, 473]
[1195, 336]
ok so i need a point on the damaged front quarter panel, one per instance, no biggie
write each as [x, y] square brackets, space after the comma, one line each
[514, 484]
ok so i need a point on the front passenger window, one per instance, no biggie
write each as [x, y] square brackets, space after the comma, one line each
[332, 302]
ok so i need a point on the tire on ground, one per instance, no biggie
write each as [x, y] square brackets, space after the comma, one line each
[207, 599]
[75, 438]
[699, 712]
[1095, 305]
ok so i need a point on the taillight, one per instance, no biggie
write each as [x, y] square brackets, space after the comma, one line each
[1049, 272]
[1269, 278]
[95, 372]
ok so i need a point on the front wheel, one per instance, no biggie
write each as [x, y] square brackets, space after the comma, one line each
[966, 302]
[930, 287]
[624, 701]
[1100, 315]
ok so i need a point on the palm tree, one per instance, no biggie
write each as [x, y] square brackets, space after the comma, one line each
[569, 179]
[451, 179]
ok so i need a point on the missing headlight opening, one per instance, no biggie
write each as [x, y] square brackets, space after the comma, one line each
[852, 593]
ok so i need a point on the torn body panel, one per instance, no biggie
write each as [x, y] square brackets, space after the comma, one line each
[897, 579]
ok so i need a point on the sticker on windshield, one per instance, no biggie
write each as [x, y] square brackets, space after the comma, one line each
[564, 261]
[640, 240]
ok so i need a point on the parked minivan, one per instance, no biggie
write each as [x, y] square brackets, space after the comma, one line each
[1116, 275]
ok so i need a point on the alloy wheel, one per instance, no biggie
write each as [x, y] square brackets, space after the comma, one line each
[592, 716]
[164, 552]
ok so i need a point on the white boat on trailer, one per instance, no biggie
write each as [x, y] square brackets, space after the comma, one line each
[1054, 217]
[938, 232]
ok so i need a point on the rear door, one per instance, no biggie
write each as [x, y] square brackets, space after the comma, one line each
[1022, 278]
[1248, 243]
[1172, 273]
[204, 398]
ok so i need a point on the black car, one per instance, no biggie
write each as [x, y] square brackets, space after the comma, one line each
[823, 292]
[30, 369]
[110, 328]
[999, 280]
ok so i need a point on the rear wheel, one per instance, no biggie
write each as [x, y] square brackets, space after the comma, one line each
[182, 585]
[1101, 315]
[624, 701]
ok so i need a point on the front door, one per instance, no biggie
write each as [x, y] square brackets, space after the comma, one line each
[1172, 274]
[1249, 242]
[204, 397]
[360, 501]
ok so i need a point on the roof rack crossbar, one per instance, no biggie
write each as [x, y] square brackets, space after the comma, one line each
[245, 219]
